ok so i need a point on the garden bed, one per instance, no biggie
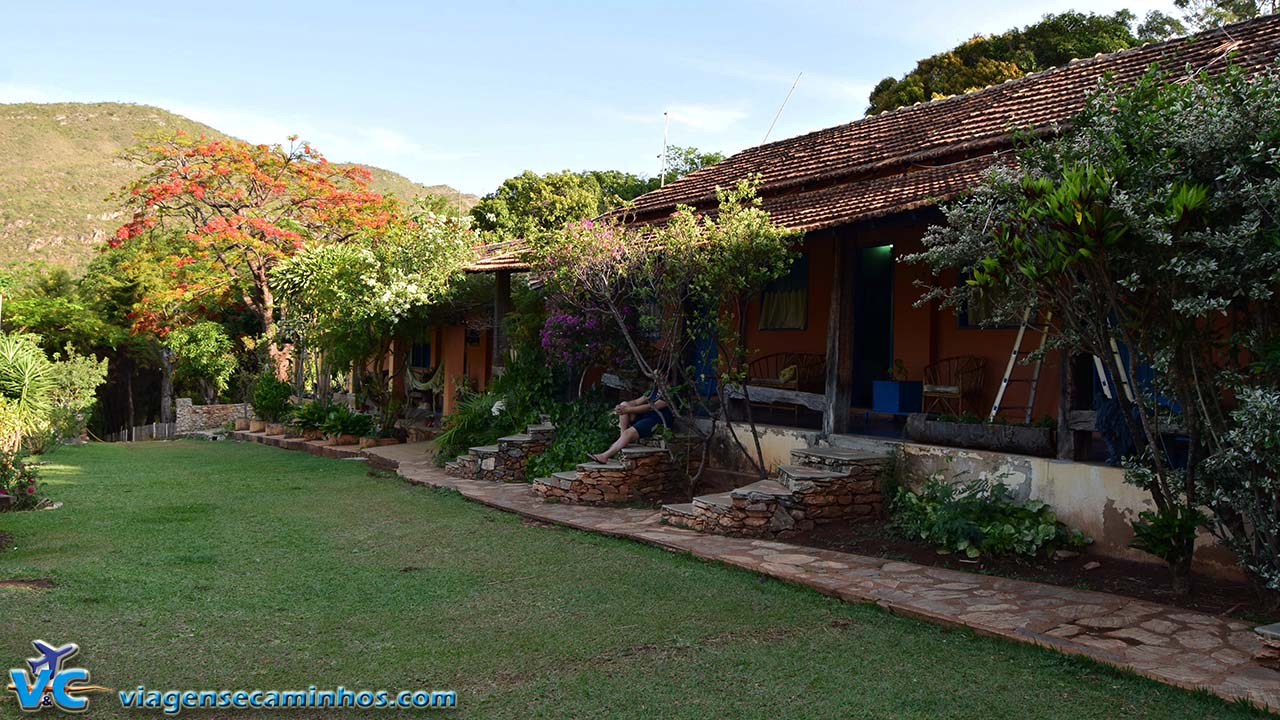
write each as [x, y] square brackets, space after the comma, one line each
[1142, 581]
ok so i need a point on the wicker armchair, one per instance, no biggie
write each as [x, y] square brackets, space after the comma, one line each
[953, 382]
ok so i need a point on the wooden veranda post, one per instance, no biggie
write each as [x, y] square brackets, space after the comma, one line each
[501, 306]
[835, 418]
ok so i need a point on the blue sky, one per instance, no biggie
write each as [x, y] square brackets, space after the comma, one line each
[471, 93]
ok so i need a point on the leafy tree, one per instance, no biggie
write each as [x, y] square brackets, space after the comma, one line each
[683, 160]
[987, 60]
[1149, 226]
[1206, 14]
[351, 299]
[529, 204]
[662, 290]
[76, 379]
[247, 207]
[203, 357]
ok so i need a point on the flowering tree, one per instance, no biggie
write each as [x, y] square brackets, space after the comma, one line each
[351, 298]
[655, 292]
[246, 207]
[1151, 227]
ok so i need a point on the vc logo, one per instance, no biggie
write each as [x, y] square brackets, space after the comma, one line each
[49, 684]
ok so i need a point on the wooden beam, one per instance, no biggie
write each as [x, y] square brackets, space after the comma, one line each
[767, 396]
[839, 387]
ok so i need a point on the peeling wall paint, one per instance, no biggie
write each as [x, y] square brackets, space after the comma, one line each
[1094, 499]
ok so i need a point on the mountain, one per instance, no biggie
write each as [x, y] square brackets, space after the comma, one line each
[59, 163]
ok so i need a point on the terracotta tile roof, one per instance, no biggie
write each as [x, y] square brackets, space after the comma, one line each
[507, 255]
[882, 164]
[914, 156]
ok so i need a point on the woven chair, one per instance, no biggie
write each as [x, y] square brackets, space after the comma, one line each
[953, 382]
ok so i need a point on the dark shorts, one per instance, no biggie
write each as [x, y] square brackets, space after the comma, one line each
[647, 423]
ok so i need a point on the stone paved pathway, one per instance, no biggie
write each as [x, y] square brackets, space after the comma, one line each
[1175, 646]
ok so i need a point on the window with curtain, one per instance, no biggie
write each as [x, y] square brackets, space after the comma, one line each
[784, 303]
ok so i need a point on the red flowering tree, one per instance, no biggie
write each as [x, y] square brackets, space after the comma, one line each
[247, 207]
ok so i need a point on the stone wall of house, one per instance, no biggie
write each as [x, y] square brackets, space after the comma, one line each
[191, 417]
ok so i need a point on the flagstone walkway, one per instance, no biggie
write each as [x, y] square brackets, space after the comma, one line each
[1172, 645]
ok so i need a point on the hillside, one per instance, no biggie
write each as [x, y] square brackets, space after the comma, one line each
[60, 162]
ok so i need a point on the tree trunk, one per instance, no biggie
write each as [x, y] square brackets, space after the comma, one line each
[166, 385]
[1181, 574]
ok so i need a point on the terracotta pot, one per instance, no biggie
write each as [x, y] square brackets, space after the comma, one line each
[275, 428]
[291, 432]
[346, 439]
[368, 442]
[313, 434]
[242, 423]
[256, 426]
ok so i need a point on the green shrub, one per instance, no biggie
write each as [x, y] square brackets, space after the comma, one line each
[1246, 475]
[582, 426]
[1169, 534]
[479, 419]
[980, 517]
[271, 398]
[342, 421]
[311, 416]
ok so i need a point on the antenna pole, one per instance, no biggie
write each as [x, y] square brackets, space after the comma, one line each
[666, 122]
[780, 108]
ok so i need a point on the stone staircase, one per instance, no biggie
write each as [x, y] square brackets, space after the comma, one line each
[820, 485]
[640, 473]
[504, 461]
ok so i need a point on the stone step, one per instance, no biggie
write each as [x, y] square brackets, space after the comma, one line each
[589, 466]
[682, 515]
[635, 450]
[685, 509]
[717, 502]
[804, 477]
[484, 450]
[520, 438]
[540, 428]
[562, 480]
[761, 490]
[832, 455]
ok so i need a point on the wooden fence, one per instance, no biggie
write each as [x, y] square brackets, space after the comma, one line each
[154, 431]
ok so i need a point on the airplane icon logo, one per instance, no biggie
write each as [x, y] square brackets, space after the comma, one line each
[51, 657]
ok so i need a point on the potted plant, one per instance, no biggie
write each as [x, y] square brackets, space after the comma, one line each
[271, 403]
[897, 395]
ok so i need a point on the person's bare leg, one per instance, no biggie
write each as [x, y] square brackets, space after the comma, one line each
[625, 438]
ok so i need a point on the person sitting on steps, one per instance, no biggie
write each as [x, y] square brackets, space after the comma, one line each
[637, 419]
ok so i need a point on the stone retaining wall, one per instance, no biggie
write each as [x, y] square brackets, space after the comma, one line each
[190, 417]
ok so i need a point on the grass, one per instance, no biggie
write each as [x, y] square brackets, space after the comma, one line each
[215, 565]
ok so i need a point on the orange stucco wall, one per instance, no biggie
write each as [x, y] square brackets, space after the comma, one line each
[462, 359]
[813, 338]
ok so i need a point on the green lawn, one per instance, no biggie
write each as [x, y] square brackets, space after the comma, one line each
[220, 565]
